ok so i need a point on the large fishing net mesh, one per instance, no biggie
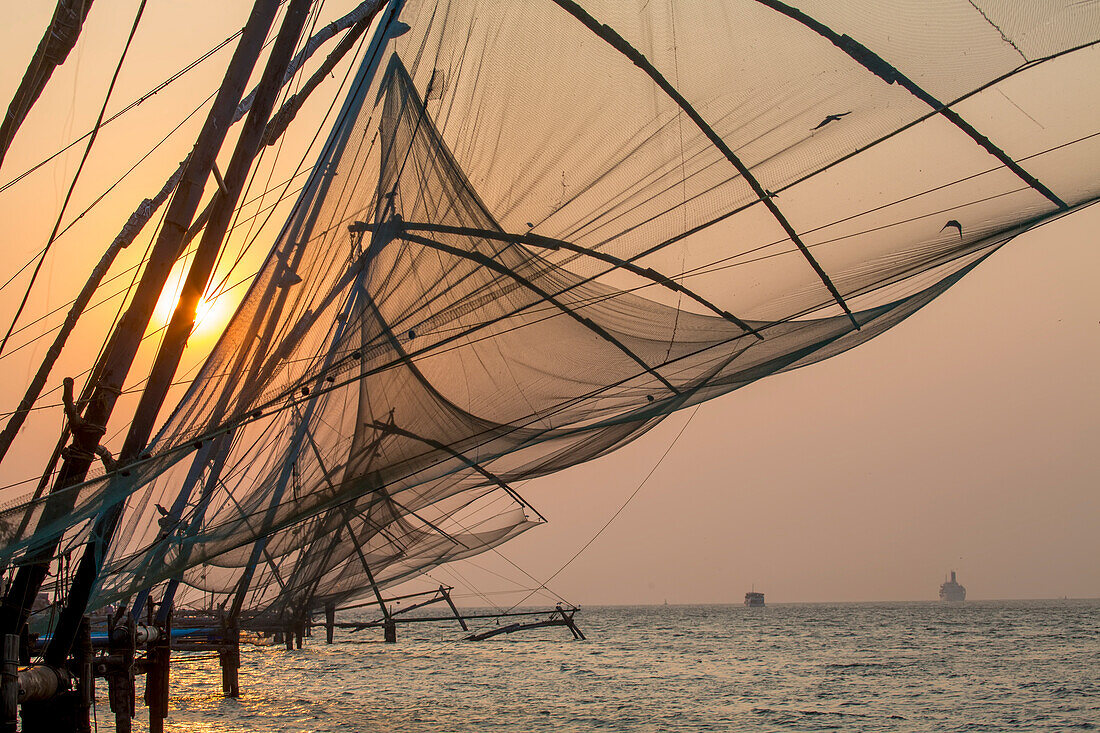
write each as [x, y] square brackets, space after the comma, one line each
[519, 251]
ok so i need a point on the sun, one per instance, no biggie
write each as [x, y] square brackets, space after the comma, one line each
[210, 315]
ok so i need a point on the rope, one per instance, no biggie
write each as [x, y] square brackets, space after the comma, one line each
[618, 511]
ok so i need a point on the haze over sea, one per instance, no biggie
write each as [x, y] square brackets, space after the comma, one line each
[975, 666]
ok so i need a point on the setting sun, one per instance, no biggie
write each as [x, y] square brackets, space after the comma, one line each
[212, 312]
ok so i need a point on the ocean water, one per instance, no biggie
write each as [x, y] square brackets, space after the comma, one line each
[976, 666]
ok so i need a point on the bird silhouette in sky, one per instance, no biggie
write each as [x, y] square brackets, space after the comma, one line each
[830, 118]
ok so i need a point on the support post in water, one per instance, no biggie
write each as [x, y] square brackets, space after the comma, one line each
[330, 622]
[158, 667]
[229, 656]
[84, 667]
[121, 693]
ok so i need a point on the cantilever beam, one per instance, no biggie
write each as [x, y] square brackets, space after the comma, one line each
[588, 323]
[621, 45]
[537, 240]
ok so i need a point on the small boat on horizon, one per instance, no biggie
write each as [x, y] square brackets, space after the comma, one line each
[950, 590]
[754, 599]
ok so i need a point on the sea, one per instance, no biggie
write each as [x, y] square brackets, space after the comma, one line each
[972, 666]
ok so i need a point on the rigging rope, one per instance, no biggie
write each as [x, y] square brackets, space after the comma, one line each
[618, 511]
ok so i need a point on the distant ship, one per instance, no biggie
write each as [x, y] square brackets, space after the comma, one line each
[949, 591]
[754, 599]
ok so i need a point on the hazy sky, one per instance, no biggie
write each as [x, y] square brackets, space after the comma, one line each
[965, 438]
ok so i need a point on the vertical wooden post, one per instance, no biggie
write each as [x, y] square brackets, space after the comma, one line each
[84, 659]
[229, 655]
[389, 627]
[120, 676]
[9, 684]
[330, 622]
[159, 656]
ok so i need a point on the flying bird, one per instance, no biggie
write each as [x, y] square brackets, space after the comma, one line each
[956, 224]
[831, 118]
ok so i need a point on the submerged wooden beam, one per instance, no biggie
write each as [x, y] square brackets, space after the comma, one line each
[560, 617]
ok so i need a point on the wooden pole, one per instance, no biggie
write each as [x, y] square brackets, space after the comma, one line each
[121, 692]
[229, 657]
[159, 663]
[447, 595]
[9, 684]
[206, 255]
[83, 662]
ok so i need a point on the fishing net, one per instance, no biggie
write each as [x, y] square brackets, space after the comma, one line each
[539, 228]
